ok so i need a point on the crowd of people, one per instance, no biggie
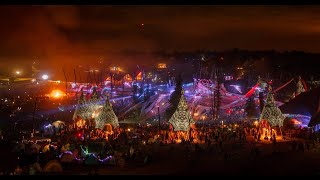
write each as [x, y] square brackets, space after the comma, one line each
[123, 146]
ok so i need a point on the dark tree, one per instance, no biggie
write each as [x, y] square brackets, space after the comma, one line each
[251, 110]
[217, 98]
[175, 97]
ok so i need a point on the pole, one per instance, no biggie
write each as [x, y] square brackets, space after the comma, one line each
[66, 80]
[101, 79]
[159, 119]
[212, 103]
[189, 131]
[75, 76]
[14, 128]
[33, 114]
[111, 84]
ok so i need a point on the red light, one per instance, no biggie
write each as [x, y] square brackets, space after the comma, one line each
[79, 135]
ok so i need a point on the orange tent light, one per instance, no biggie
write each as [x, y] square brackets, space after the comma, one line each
[56, 94]
[139, 76]
[295, 121]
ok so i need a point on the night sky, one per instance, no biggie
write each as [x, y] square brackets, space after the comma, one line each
[66, 35]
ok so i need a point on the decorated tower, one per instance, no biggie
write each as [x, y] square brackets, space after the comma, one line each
[271, 113]
[82, 111]
[107, 116]
[181, 119]
[93, 103]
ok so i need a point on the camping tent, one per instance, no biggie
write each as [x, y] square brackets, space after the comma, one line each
[58, 124]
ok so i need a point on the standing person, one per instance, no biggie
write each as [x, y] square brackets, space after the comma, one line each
[294, 145]
[259, 136]
[301, 147]
[254, 135]
[274, 142]
[209, 143]
[220, 145]
[307, 146]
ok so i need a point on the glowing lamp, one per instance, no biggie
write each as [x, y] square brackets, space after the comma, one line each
[45, 77]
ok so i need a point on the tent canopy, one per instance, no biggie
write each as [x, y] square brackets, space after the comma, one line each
[306, 103]
[58, 124]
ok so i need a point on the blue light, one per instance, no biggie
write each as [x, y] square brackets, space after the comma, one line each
[189, 84]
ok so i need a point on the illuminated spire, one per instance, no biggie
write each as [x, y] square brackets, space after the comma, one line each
[181, 119]
[82, 110]
[93, 103]
[82, 99]
[271, 112]
[94, 95]
[107, 116]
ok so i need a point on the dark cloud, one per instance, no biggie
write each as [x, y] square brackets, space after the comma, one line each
[68, 35]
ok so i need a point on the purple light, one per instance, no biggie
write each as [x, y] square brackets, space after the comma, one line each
[237, 87]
